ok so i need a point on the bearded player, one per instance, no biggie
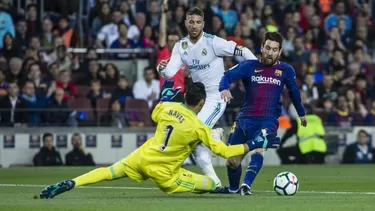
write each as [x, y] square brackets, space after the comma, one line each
[264, 81]
[203, 54]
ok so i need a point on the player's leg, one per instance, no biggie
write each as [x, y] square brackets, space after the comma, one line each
[186, 181]
[125, 168]
[265, 125]
[209, 115]
[234, 168]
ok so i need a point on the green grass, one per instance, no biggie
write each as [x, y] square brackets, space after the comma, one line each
[315, 182]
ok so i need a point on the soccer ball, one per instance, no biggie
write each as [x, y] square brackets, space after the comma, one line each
[286, 183]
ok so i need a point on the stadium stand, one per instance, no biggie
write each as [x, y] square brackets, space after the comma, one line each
[330, 44]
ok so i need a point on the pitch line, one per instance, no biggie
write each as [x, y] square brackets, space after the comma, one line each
[148, 188]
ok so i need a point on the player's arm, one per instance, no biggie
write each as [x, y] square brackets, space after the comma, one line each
[224, 47]
[169, 68]
[218, 147]
[237, 72]
[294, 92]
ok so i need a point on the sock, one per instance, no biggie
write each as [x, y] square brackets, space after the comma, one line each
[209, 171]
[94, 176]
[255, 165]
[234, 176]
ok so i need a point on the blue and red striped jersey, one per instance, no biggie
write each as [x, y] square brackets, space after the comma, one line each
[264, 85]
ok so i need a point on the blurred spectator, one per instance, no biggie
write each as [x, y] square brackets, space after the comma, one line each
[78, 157]
[360, 152]
[229, 17]
[288, 46]
[326, 54]
[96, 92]
[22, 35]
[58, 112]
[35, 103]
[93, 72]
[237, 35]
[311, 147]
[114, 117]
[6, 25]
[3, 85]
[67, 85]
[369, 115]
[65, 32]
[217, 24]
[53, 72]
[12, 111]
[15, 73]
[109, 32]
[299, 54]
[147, 37]
[35, 75]
[101, 20]
[51, 57]
[10, 48]
[342, 115]
[178, 19]
[326, 89]
[317, 30]
[48, 155]
[63, 59]
[135, 30]
[111, 75]
[123, 41]
[33, 24]
[47, 35]
[148, 88]
[153, 15]
[313, 67]
[339, 12]
[127, 14]
[122, 91]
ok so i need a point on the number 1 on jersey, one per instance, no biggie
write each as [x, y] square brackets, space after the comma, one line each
[168, 130]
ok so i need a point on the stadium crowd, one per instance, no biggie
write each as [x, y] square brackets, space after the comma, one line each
[330, 44]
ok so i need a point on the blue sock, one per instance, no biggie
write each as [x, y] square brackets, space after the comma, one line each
[234, 176]
[255, 165]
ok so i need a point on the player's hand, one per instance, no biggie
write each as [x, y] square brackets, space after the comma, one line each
[162, 65]
[167, 92]
[226, 95]
[264, 141]
[303, 121]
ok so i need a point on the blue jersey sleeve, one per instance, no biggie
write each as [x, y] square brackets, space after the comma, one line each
[294, 92]
[237, 72]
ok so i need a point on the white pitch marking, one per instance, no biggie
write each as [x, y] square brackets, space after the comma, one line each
[148, 188]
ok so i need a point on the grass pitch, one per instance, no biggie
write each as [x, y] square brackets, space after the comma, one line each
[321, 188]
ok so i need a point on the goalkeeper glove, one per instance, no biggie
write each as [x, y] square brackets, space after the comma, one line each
[264, 140]
[168, 93]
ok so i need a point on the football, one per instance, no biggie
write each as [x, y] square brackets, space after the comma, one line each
[286, 184]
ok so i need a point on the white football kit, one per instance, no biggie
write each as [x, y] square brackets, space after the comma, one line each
[204, 59]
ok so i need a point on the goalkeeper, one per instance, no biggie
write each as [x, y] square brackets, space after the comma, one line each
[161, 157]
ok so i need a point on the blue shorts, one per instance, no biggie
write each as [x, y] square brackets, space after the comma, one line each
[245, 129]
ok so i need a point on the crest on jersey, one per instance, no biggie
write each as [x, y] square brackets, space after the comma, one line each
[204, 52]
[184, 45]
[278, 73]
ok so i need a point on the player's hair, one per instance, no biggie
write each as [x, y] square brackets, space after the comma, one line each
[195, 11]
[273, 36]
[195, 93]
[47, 135]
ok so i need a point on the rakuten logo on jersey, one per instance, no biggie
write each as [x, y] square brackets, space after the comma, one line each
[265, 80]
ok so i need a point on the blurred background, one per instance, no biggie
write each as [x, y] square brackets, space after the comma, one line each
[78, 78]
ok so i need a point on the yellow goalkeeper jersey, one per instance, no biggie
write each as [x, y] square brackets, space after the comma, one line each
[178, 131]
